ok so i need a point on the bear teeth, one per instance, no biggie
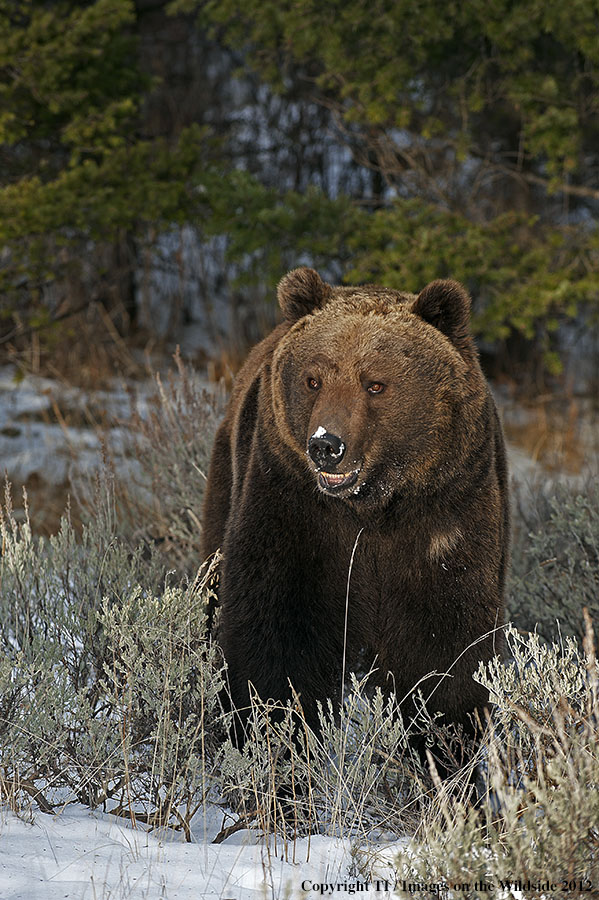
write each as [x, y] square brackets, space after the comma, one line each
[335, 480]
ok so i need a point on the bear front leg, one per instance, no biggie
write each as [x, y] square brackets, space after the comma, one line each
[274, 627]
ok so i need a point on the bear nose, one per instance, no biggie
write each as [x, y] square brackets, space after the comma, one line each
[325, 449]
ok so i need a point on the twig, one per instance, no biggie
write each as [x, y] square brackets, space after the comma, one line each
[244, 822]
[20, 330]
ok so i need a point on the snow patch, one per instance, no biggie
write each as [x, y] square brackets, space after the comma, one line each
[92, 856]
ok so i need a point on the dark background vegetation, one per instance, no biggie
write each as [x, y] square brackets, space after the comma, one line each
[162, 164]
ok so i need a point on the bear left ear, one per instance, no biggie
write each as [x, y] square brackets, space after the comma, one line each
[300, 292]
[446, 306]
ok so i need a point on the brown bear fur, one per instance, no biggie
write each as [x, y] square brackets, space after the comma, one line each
[396, 377]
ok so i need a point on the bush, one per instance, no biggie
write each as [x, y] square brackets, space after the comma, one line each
[158, 500]
[556, 566]
[359, 776]
[538, 819]
[110, 695]
[108, 683]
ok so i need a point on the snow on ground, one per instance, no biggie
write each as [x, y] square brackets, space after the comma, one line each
[30, 445]
[83, 855]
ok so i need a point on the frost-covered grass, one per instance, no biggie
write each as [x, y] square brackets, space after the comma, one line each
[555, 562]
[538, 818]
[110, 703]
[110, 687]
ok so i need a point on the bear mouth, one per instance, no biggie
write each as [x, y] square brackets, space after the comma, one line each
[334, 483]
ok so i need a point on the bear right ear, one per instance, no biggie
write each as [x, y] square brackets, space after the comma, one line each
[300, 292]
[446, 306]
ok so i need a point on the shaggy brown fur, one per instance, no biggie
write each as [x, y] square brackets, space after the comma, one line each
[366, 409]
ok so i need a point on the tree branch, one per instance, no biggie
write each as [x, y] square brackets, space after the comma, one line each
[21, 330]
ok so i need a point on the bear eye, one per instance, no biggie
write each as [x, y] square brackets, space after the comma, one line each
[375, 387]
[313, 383]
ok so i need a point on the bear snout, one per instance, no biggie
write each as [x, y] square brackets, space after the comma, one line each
[326, 450]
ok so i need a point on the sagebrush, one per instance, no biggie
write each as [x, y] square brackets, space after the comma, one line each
[556, 565]
[111, 693]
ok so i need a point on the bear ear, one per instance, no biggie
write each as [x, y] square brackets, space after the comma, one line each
[446, 306]
[300, 292]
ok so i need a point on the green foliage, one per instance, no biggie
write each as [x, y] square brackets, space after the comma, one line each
[78, 172]
[270, 232]
[475, 114]
[468, 72]
[520, 274]
[513, 268]
[68, 76]
[129, 187]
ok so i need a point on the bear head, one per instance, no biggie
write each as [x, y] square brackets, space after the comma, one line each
[376, 391]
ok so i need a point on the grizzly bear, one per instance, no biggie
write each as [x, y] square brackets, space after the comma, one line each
[361, 429]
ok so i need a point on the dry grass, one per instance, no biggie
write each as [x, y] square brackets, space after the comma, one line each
[553, 434]
[83, 349]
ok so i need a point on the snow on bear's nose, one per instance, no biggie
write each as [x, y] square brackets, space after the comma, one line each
[326, 450]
